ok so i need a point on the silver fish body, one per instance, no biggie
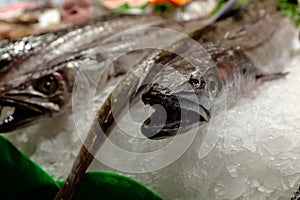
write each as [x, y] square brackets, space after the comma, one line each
[259, 51]
[219, 40]
[137, 84]
[78, 47]
[41, 85]
[11, 52]
[63, 53]
[76, 39]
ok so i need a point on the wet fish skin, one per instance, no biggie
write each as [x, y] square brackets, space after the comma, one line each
[36, 95]
[22, 52]
[88, 55]
[61, 53]
[59, 50]
[12, 51]
[128, 89]
[76, 39]
[149, 68]
[133, 85]
[241, 61]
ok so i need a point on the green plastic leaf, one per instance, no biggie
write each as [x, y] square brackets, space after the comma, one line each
[19, 176]
[122, 9]
[290, 8]
[126, 9]
[163, 7]
[109, 186]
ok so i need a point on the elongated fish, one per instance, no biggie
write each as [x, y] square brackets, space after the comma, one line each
[30, 90]
[40, 85]
[255, 40]
[257, 53]
[13, 51]
[236, 69]
[19, 92]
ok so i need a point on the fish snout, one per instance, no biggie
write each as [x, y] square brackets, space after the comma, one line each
[171, 115]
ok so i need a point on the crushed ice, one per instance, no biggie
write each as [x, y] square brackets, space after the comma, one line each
[256, 157]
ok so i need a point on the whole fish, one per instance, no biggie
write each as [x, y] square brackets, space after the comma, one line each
[237, 69]
[24, 95]
[41, 84]
[244, 59]
[76, 46]
[77, 39]
[256, 33]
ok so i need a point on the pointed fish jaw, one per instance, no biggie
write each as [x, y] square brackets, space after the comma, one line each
[18, 110]
[22, 104]
[182, 115]
[6, 113]
[13, 116]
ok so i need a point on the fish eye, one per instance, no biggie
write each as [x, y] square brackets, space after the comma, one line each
[213, 85]
[47, 85]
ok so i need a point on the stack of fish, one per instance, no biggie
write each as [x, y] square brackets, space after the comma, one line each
[63, 53]
[37, 72]
[238, 53]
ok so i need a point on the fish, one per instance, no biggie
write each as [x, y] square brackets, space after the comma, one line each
[16, 50]
[241, 61]
[40, 85]
[42, 52]
[219, 41]
[61, 50]
[244, 26]
[144, 72]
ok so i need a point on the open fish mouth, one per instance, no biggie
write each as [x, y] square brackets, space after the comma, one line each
[175, 116]
[14, 116]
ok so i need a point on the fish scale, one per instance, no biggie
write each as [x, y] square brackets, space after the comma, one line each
[58, 55]
[129, 89]
[239, 63]
[76, 48]
[10, 51]
[75, 39]
[55, 63]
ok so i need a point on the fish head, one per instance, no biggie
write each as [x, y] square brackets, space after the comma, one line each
[181, 99]
[33, 96]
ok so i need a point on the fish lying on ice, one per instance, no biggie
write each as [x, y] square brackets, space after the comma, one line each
[238, 65]
[37, 74]
[257, 53]
[250, 42]
[41, 84]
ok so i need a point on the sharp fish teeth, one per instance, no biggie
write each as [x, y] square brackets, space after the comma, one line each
[6, 114]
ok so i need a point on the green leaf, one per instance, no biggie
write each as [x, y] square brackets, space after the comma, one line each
[291, 9]
[163, 7]
[109, 186]
[221, 4]
[126, 9]
[19, 176]
[122, 9]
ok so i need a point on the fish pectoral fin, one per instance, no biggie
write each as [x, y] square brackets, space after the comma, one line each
[270, 77]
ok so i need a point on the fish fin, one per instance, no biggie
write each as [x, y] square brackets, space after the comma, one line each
[271, 77]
